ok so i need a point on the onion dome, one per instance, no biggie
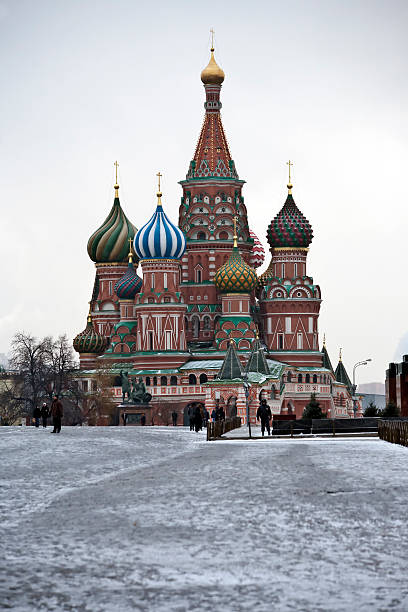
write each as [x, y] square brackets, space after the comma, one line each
[89, 340]
[109, 243]
[159, 238]
[258, 252]
[235, 276]
[212, 74]
[130, 283]
[289, 228]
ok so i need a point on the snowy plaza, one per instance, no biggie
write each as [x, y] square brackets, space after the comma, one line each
[132, 518]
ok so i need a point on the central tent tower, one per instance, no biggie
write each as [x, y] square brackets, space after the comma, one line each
[211, 199]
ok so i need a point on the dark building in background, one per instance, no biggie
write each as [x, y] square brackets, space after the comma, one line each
[396, 385]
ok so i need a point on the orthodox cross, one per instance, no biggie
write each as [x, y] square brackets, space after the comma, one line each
[159, 177]
[289, 163]
[116, 171]
[212, 39]
[130, 248]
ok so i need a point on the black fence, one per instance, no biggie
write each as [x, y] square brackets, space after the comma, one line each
[217, 428]
[325, 426]
[394, 431]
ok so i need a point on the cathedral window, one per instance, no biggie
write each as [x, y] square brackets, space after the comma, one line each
[300, 379]
[173, 381]
[310, 325]
[223, 236]
[280, 342]
[165, 280]
[192, 379]
[314, 378]
[300, 341]
[296, 270]
[307, 378]
[289, 377]
[203, 378]
[147, 381]
[150, 341]
[163, 381]
[283, 270]
[207, 322]
[152, 279]
[154, 381]
[168, 340]
[288, 325]
[110, 287]
[201, 236]
[198, 274]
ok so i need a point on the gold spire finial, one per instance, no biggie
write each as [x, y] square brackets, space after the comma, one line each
[324, 340]
[340, 356]
[235, 232]
[116, 179]
[212, 39]
[289, 163]
[89, 318]
[159, 193]
[130, 254]
[256, 332]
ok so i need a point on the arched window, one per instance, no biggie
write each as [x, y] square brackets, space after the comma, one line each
[300, 379]
[307, 378]
[192, 379]
[154, 381]
[173, 380]
[147, 381]
[200, 236]
[198, 274]
[289, 376]
[203, 378]
[196, 327]
[186, 323]
[163, 381]
[207, 323]
[223, 236]
[314, 378]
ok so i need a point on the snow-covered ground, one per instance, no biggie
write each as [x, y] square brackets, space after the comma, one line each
[131, 518]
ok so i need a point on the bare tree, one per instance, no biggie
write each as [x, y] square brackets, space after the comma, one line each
[29, 358]
[11, 409]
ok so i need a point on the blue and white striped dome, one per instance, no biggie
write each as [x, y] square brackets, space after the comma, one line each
[159, 238]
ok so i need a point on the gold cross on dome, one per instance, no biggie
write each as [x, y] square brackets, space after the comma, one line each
[159, 177]
[212, 39]
[289, 163]
[116, 171]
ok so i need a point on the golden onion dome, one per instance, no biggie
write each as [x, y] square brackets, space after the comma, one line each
[212, 74]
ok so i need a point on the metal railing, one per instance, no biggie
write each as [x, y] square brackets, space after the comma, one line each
[215, 429]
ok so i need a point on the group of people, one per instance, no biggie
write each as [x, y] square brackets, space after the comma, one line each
[56, 411]
[198, 417]
[218, 413]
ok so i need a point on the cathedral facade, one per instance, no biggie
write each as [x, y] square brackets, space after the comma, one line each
[179, 304]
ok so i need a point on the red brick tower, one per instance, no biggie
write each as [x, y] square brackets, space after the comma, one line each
[290, 302]
[211, 198]
[160, 309]
[108, 248]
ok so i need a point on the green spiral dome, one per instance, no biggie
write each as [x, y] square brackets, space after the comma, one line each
[110, 242]
[89, 340]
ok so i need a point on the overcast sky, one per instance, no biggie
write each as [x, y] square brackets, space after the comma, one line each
[323, 83]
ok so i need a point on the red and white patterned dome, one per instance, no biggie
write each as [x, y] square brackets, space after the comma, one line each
[258, 252]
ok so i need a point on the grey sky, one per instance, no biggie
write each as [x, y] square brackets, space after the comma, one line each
[320, 82]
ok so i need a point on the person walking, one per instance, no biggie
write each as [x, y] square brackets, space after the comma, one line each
[264, 413]
[45, 413]
[213, 415]
[174, 417]
[57, 412]
[198, 419]
[36, 416]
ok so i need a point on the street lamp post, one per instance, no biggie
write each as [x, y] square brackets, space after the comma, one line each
[246, 389]
[356, 365]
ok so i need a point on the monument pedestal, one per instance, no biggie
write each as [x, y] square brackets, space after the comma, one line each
[135, 414]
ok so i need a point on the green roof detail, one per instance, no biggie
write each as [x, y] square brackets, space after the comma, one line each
[326, 359]
[342, 376]
[231, 367]
[257, 360]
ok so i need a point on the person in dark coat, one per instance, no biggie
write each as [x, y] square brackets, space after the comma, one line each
[57, 412]
[198, 419]
[37, 415]
[45, 413]
[206, 417]
[174, 417]
[143, 420]
[264, 413]
[213, 415]
[191, 416]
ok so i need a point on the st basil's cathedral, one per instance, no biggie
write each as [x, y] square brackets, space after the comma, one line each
[196, 322]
